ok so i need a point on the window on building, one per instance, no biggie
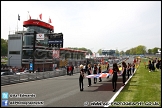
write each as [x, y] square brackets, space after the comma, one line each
[28, 40]
[14, 37]
[14, 52]
[26, 54]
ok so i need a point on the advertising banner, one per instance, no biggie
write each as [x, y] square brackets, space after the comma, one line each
[56, 53]
[40, 37]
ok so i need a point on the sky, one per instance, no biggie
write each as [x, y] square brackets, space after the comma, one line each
[94, 25]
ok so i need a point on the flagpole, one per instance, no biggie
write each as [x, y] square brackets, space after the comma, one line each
[17, 26]
[28, 15]
[9, 30]
[48, 19]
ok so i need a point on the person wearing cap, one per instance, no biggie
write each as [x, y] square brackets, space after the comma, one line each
[81, 77]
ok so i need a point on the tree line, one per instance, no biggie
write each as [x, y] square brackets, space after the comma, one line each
[139, 50]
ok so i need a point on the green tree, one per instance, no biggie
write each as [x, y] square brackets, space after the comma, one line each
[117, 52]
[4, 47]
[99, 51]
[89, 51]
[149, 51]
[122, 53]
[155, 50]
[127, 52]
[140, 49]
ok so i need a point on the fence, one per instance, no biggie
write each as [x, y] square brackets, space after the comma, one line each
[13, 79]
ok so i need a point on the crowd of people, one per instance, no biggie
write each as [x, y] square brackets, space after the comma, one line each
[14, 69]
[124, 70]
[127, 70]
[154, 64]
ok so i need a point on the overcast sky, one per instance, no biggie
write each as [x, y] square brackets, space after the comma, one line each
[91, 24]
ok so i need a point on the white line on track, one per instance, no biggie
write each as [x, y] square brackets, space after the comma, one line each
[117, 93]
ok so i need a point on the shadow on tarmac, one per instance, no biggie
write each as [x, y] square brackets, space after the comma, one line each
[106, 85]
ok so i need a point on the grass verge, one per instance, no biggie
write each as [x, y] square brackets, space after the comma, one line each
[143, 89]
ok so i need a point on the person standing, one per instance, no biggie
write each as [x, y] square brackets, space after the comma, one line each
[115, 76]
[150, 66]
[124, 67]
[128, 70]
[95, 72]
[99, 71]
[153, 65]
[158, 65]
[108, 69]
[89, 73]
[81, 77]
[133, 68]
[10, 69]
[72, 69]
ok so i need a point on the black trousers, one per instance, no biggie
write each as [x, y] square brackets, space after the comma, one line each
[124, 78]
[133, 70]
[89, 81]
[128, 73]
[81, 83]
[100, 78]
[95, 80]
[114, 80]
[71, 72]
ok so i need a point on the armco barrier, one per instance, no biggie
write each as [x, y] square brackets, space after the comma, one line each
[12, 79]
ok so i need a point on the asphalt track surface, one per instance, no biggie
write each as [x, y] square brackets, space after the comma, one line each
[64, 91]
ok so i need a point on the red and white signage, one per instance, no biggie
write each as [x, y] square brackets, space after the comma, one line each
[56, 53]
[37, 23]
[40, 37]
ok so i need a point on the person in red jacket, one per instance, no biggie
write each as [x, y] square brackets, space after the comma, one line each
[70, 69]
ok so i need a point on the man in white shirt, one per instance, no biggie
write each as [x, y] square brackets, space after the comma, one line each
[10, 69]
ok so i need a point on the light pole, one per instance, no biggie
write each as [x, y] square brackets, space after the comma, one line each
[9, 60]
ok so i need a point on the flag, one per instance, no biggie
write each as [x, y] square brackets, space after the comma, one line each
[40, 16]
[110, 71]
[100, 75]
[29, 16]
[50, 20]
[18, 17]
